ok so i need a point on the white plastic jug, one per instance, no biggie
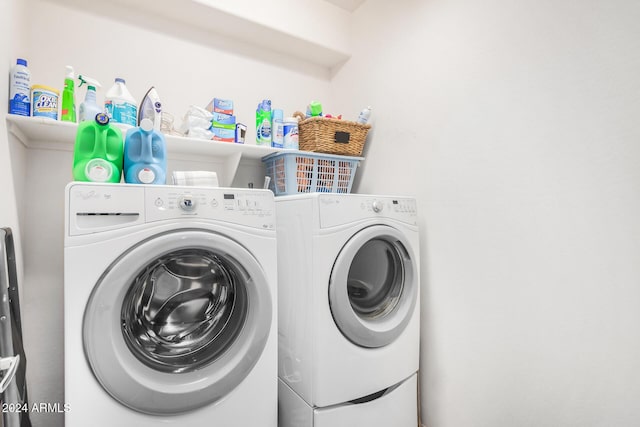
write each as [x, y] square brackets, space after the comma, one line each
[121, 106]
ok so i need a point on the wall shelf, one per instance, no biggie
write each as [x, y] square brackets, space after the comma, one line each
[46, 134]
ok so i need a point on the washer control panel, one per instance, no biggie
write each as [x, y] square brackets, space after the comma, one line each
[255, 208]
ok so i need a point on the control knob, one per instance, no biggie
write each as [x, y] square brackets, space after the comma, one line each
[377, 206]
[187, 203]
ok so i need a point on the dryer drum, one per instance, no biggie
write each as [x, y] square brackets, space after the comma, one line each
[373, 288]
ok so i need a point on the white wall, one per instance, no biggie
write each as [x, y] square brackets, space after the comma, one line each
[11, 47]
[515, 123]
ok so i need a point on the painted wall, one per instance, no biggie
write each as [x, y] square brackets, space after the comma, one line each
[11, 47]
[515, 123]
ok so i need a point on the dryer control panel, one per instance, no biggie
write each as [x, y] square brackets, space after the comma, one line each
[344, 209]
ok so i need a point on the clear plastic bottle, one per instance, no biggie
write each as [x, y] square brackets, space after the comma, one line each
[20, 89]
[364, 116]
[89, 107]
[121, 106]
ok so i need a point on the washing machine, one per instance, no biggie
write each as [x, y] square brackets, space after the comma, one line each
[348, 286]
[170, 306]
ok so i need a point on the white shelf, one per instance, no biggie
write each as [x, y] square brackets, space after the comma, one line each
[47, 134]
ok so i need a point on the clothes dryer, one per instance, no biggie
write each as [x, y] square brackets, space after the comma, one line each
[170, 306]
[348, 277]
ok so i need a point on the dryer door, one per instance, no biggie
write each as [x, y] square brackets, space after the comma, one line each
[373, 287]
[177, 322]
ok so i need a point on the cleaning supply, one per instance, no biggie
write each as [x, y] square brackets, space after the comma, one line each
[151, 108]
[120, 104]
[98, 151]
[364, 116]
[291, 134]
[145, 155]
[89, 107]
[68, 112]
[278, 129]
[263, 123]
[20, 89]
[44, 101]
[314, 109]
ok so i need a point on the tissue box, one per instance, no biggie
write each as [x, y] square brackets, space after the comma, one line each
[224, 134]
[219, 105]
[224, 119]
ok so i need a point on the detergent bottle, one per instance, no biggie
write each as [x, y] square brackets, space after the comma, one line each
[145, 155]
[120, 104]
[89, 107]
[98, 151]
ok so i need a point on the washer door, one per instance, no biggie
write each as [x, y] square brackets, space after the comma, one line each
[177, 322]
[373, 288]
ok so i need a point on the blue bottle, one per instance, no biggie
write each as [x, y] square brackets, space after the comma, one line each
[145, 155]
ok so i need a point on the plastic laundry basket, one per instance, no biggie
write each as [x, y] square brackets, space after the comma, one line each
[295, 172]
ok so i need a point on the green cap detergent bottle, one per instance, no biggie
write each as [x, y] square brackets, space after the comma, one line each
[98, 152]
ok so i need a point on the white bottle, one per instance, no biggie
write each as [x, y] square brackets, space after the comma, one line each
[364, 116]
[20, 89]
[121, 106]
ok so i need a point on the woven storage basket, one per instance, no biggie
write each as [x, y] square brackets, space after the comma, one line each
[331, 136]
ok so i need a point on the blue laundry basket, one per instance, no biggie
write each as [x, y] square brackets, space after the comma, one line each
[295, 172]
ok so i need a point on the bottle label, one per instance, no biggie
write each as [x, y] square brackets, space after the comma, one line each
[291, 136]
[146, 176]
[122, 112]
[21, 83]
[264, 132]
[19, 93]
[278, 135]
[20, 105]
[45, 103]
[98, 170]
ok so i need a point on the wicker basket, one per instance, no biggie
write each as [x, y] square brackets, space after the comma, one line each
[331, 136]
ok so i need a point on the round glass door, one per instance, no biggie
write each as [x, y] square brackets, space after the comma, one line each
[177, 322]
[373, 290]
[184, 310]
